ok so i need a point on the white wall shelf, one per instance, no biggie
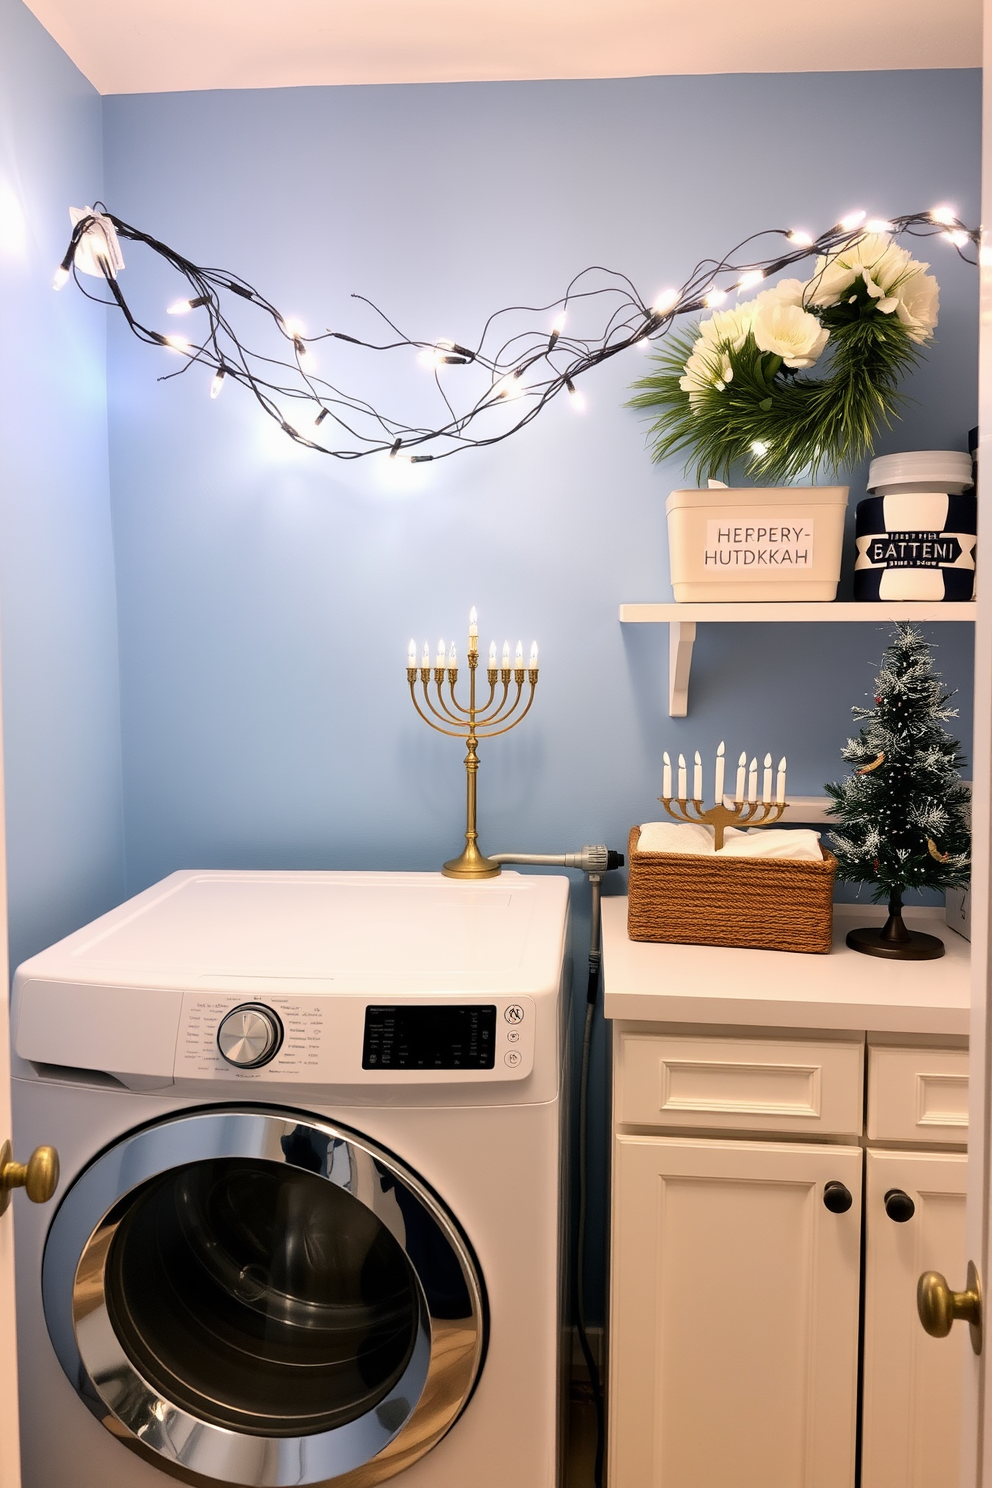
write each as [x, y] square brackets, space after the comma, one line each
[682, 620]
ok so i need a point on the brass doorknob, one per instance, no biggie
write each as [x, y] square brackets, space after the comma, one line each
[39, 1176]
[940, 1308]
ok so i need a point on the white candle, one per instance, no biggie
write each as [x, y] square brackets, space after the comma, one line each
[473, 622]
[766, 779]
[518, 660]
[752, 781]
[506, 656]
[718, 777]
[439, 658]
[682, 777]
[741, 771]
[697, 778]
[425, 660]
[780, 782]
[492, 655]
[666, 789]
[452, 656]
[533, 655]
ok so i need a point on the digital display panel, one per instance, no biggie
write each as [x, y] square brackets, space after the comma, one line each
[429, 1038]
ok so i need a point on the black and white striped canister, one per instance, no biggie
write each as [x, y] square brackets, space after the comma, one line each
[916, 543]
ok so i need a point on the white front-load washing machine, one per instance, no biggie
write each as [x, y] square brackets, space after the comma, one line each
[310, 1223]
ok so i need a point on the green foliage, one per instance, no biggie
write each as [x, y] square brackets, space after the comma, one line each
[905, 819]
[800, 423]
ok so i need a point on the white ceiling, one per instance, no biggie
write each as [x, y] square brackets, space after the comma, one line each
[149, 46]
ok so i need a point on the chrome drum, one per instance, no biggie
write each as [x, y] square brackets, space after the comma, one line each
[263, 1298]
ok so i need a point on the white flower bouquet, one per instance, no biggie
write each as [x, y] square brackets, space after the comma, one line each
[732, 389]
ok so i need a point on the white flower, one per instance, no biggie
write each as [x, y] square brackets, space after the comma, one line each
[727, 328]
[789, 332]
[874, 255]
[709, 364]
[707, 368]
[785, 292]
[918, 304]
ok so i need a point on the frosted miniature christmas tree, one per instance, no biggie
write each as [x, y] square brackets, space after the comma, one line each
[904, 812]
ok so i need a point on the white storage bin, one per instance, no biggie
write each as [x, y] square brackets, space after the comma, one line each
[756, 542]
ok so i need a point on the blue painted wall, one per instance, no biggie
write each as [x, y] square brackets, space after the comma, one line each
[57, 593]
[267, 594]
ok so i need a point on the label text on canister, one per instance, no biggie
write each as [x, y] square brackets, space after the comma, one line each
[734, 545]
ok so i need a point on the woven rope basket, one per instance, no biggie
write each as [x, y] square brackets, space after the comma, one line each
[768, 904]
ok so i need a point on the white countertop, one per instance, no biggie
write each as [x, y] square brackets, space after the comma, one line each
[657, 983]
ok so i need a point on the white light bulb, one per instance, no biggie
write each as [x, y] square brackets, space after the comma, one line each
[575, 398]
[473, 621]
[179, 307]
[293, 328]
[801, 238]
[179, 343]
[506, 654]
[558, 324]
[218, 383]
[452, 655]
[533, 654]
[759, 447]
[518, 659]
[439, 658]
[852, 220]
[750, 278]
[958, 237]
[879, 225]
[61, 275]
[425, 659]
[664, 301]
[509, 387]
[944, 215]
[428, 357]
[714, 298]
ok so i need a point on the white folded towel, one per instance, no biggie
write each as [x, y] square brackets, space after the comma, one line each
[675, 837]
[696, 838]
[772, 842]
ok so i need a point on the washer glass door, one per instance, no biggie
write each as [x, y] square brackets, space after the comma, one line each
[262, 1298]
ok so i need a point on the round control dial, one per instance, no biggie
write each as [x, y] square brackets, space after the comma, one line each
[249, 1035]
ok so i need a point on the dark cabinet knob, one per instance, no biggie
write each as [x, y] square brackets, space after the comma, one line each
[837, 1198]
[898, 1205]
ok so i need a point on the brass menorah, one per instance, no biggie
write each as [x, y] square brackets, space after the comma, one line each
[747, 811]
[500, 712]
[720, 817]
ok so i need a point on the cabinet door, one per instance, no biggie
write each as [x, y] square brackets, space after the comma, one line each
[734, 1315]
[913, 1383]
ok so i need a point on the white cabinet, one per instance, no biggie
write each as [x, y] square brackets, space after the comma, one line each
[734, 1315]
[912, 1383]
[737, 1292]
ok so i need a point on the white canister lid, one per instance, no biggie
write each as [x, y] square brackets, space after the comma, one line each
[934, 470]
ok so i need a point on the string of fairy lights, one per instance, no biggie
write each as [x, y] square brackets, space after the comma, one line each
[524, 358]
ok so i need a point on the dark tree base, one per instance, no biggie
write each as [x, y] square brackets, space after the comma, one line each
[870, 941]
[894, 939]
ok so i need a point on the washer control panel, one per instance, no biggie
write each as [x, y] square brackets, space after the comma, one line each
[250, 1035]
[351, 1039]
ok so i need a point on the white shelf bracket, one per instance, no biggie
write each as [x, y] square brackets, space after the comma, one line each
[681, 637]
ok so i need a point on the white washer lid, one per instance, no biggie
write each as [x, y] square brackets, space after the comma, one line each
[951, 470]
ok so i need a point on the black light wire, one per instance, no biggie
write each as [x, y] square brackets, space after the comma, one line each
[631, 321]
